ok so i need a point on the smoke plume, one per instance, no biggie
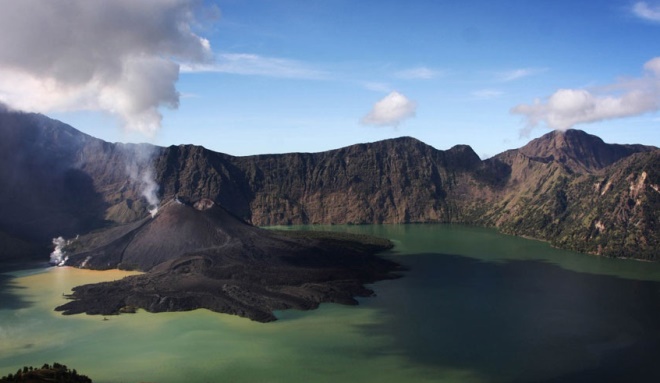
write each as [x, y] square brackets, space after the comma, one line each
[119, 56]
[569, 107]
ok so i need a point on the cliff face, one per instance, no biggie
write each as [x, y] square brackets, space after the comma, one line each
[391, 181]
[402, 180]
[615, 212]
[568, 188]
[577, 192]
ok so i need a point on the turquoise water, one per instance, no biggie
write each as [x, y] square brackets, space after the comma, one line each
[474, 306]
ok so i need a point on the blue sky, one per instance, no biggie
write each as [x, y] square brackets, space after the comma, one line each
[307, 76]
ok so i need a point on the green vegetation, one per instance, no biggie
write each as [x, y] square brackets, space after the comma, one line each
[613, 213]
[47, 373]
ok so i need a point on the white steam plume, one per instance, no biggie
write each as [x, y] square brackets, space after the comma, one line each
[119, 56]
[140, 170]
[150, 191]
[390, 111]
[58, 256]
[568, 107]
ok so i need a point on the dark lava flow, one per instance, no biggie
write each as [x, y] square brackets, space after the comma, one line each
[197, 255]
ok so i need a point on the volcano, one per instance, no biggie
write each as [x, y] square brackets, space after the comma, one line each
[195, 254]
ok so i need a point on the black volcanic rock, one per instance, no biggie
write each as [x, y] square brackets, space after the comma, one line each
[200, 256]
[176, 230]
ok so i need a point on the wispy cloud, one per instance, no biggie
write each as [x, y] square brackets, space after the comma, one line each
[377, 86]
[392, 110]
[568, 107]
[418, 73]
[257, 65]
[188, 95]
[519, 73]
[486, 94]
[645, 11]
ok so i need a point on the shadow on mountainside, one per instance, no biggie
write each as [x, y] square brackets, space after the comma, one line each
[41, 208]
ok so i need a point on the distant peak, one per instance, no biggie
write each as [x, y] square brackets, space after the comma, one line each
[402, 139]
[560, 140]
[577, 149]
[570, 134]
[398, 142]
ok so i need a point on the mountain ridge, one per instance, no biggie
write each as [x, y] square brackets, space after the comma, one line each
[537, 190]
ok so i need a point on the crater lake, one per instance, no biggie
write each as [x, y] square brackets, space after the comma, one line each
[473, 306]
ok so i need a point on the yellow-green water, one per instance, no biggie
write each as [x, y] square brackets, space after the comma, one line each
[475, 306]
[199, 346]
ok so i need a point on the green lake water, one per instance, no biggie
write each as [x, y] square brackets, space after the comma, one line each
[474, 306]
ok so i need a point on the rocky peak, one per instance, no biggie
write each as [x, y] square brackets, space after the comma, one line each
[579, 151]
[463, 157]
[391, 146]
[570, 142]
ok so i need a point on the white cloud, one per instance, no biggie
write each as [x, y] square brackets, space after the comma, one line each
[486, 94]
[418, 73]
[256, 65]
[390, 111]
[642, 10]
[516, 74]
[119, 56]
[568, 107]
